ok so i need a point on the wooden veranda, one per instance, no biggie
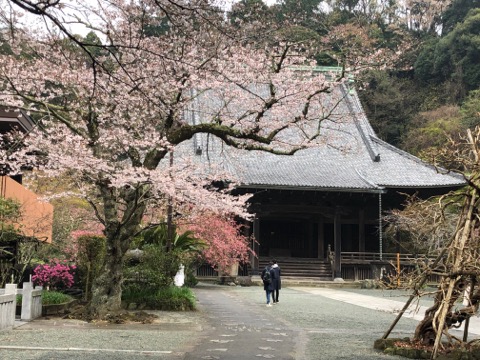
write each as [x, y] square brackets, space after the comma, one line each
[355, 266]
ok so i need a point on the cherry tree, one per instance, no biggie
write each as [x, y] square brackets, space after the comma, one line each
[112, 110]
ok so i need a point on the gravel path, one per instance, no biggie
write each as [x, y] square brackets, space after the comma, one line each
[303, 326]
[328, 329]
[169, 337]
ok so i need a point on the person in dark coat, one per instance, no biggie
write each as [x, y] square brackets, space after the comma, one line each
[277, 281]
[268, 284]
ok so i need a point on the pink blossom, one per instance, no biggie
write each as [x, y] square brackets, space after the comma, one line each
[57, 274]
[226, 243]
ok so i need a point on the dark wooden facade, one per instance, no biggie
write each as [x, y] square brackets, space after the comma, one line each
[318, 224]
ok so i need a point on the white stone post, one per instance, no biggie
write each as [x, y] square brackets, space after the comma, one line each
[26, 314]
[11, 289]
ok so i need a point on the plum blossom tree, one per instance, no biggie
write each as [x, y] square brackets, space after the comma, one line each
[112, 113]
[225, 242]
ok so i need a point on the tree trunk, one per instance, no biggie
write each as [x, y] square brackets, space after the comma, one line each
[107, 287]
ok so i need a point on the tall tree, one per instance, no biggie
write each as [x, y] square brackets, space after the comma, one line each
[470, 110]
[454, 57]
[456, 13]
[307, 13]
[117, 119]
[249, 11]
[389, 103]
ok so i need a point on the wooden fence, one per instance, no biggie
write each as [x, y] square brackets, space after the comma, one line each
[369, 265]
[206, 271]
[367, 257]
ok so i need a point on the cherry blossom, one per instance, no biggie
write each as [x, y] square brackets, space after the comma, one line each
[119, 114]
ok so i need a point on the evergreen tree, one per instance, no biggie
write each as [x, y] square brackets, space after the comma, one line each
[456, 13]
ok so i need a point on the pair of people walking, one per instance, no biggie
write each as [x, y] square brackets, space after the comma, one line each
[272, 284]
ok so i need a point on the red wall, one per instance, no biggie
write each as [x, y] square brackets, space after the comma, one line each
[37, 216]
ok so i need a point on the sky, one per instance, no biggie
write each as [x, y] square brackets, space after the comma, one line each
[35, 21]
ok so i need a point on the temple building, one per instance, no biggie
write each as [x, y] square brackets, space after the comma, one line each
[319, 211]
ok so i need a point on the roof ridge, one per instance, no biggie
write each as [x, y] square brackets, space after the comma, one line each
[406, 154]
[364, 178]
[375, 156]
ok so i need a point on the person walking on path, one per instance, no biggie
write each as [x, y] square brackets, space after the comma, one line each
[277, 282]
[267, 276]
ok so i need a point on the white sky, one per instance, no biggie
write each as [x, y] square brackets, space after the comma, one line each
[33, 21]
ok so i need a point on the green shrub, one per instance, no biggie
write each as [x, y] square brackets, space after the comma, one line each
[170, 298]
[91, 254]
[50, 298]
[55, 297]
[156, 267]
[190, 278]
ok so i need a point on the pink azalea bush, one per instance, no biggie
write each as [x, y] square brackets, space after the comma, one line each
[57, 274]
[226, 243]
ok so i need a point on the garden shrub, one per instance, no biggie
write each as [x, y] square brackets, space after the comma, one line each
[156, 268]
[173, 298]
[190, 278]
[169, 298]
[55, 297]
[162, 257]
[90, 257]
[50, 298]
[56, 275]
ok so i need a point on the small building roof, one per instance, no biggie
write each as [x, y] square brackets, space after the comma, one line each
[14, 119]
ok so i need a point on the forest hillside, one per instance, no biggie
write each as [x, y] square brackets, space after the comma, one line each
[431, 93]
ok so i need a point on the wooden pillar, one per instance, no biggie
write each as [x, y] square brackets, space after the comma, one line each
[337, 239]
[321, 238]
[380, 226]
[256, 245]
[361, 230]
[310, 236]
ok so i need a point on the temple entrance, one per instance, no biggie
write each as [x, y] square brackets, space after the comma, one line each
[300, 238]
[288, 238]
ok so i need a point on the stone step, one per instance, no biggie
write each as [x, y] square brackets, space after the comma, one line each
[311, 282]
[314, 273]
[302, 268]
[299, 267]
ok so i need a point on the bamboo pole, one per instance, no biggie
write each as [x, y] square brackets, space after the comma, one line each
[458, 251]
[398, 269]
[416, 287]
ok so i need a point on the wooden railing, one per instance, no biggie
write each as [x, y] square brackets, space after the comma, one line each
[373, 256]
[369, 265]
[206, 271]
[357, 272]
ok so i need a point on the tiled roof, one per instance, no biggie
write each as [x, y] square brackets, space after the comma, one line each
[348, 157]
[14, 119]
